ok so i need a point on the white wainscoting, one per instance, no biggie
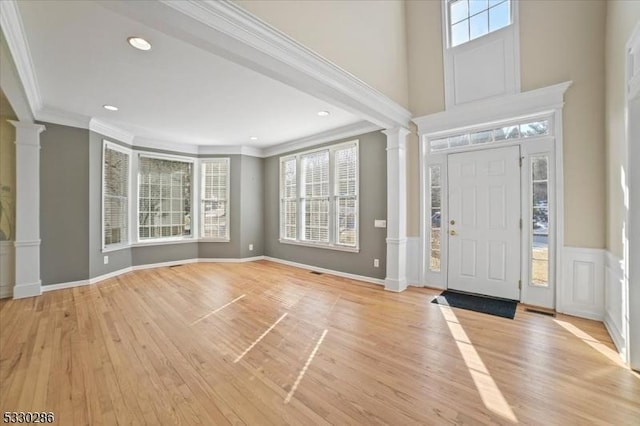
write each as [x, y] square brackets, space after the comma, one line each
[616, 298]
[582, 288]
[7, 264]
[414, 261]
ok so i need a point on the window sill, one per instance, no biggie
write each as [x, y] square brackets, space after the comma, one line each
[151, 243]
[321, 246]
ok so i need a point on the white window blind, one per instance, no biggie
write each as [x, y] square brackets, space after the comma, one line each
[315, 196]
[319, 197]
[164, 198]
[346, 170]
[115, 196]
[215, 198]
[289, 200]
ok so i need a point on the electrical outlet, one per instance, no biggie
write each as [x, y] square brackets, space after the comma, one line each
[376, 263]
[250, 247]
[106, 260]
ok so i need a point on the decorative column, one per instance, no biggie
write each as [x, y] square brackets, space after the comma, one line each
[27, 237]
[396, 279]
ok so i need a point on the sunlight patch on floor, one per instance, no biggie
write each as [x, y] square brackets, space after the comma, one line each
[217, 310]
[304, 369]
[591, 341]
[255, 342]
[489, 392]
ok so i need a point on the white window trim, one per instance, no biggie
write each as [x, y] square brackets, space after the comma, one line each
[106, 144]
[200, 198]
[510, 34]
[332, 245]
[195, 210]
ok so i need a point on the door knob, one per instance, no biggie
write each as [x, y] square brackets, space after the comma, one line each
[452, 232]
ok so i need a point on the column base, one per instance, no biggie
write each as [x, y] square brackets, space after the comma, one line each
[27, 290]
[397, 286]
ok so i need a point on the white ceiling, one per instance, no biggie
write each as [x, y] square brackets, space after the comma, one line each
[176, 92]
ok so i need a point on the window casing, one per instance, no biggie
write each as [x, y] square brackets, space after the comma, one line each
[319, 200]
[164, 198]
[214, 199]
[116, 170]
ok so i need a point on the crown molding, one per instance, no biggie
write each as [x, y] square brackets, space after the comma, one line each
[226, 29]
[343, 132]
[60, 116]
[546, 99]
[111, 131]
[13, 30]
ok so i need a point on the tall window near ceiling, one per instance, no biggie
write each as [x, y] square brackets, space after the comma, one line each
[214, 214]
[115, 195]
[471, 19]
[164, 198]
[319, 197]
[480, 49]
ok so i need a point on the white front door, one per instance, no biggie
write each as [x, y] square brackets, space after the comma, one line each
[484, 222]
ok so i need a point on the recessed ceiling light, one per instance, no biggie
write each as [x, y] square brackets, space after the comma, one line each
[110, 107]
[323, 113]
[254, 138]
[139, 43]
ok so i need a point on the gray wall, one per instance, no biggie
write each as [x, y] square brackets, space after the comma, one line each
[252, 207]
[373, 205]
[119, 259]
[64, 204]
[71, 213]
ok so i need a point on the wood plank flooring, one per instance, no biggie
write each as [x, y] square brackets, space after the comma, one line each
[262, 343]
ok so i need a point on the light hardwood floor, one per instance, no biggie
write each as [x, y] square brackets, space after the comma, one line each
[166, 346]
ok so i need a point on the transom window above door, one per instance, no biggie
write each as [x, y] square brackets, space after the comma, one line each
[472, 19]
[507, 132]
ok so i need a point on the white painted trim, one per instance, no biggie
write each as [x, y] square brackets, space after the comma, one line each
[231, 260]
[290, 61]
[582, 290]
[414, 260]
[110, 131]
[27, 290]
[230, 150]
[396, 279]
[50, 114]
[326, 271]
[71, 284]
[80, 283]
[16, 37]
[616, 297]
[343, 132]
[12, 86]
[534, 102]
[510, 38]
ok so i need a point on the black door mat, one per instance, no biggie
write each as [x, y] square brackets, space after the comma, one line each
[499, 307]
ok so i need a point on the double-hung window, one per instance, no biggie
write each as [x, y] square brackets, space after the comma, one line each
[115, 195]
[214, 212]
[319, 197]
[164, 197]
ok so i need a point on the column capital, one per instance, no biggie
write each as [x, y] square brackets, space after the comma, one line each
[28, 125]
[396, 137]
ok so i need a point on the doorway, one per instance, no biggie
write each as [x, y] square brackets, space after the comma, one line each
[484, 229]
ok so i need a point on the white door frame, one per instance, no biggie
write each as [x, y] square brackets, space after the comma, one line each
[545, 102]
[632, 210]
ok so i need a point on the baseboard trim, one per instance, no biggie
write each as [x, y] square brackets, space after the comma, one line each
[80, 283]
[616, 336]
[27, 290]
[326, 271]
